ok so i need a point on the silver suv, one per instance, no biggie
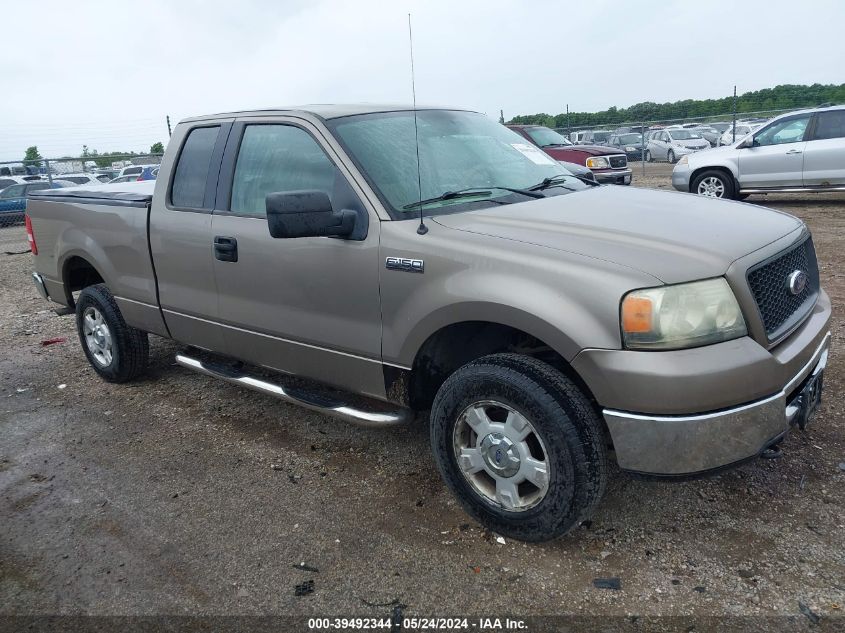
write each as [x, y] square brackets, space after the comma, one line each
[797, 152]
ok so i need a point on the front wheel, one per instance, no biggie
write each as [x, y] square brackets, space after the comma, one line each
[648, 157]
[520, 446]
[714, 184]
[670, 157]
[116, 351]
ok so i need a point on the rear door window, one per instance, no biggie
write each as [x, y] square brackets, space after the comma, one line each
[191, 173]
[830, 125]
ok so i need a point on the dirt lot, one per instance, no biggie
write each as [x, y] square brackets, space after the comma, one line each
[182, 495]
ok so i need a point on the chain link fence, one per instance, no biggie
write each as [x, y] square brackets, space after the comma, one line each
[82, 170]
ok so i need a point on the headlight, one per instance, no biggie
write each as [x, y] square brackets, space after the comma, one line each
[630, 149]
[683, 315]
[597, 162]
[683, 160]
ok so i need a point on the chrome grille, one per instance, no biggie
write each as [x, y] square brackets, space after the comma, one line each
[780, 310]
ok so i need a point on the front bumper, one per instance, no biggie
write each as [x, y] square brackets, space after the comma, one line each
[684, 445]
[614, 176]
[681, 177]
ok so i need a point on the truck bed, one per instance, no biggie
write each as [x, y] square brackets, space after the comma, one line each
[105, 227]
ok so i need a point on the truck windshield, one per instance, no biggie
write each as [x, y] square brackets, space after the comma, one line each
[458, 151]
[544, 137]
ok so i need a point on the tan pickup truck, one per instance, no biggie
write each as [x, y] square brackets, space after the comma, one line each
[432, 260]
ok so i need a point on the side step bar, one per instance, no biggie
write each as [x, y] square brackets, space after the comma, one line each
[309, 399]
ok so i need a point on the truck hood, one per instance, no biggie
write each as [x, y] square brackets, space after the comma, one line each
[674, 237]
[556, 151]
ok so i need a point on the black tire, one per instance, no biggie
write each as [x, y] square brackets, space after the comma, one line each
[648, 157]
[130, 347]
[563, 418]
[670, 156]
[741, 196]
[726, 180]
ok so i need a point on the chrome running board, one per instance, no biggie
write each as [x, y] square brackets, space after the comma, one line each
[309, 399]
[820, 189]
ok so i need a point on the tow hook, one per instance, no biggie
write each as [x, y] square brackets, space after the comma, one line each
[773, 452]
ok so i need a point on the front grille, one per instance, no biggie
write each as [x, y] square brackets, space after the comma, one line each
[781, 310]
[618, 162]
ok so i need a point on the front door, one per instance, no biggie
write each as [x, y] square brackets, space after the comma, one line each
[306, 306]
[777, 156]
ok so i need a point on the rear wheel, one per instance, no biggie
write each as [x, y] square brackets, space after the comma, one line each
[116, 351]
[520, 446]
[714, 184]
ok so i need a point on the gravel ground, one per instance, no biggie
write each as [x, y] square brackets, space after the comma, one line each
[182, 495]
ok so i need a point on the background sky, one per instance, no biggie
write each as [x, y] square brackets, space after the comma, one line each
[106, 74]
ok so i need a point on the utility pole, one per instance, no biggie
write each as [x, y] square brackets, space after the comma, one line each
[734, 127]
[169, 134]
[568, 124]
[502, 117]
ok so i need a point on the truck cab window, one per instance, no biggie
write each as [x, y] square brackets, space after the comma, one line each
[191, 172]
[278, 158]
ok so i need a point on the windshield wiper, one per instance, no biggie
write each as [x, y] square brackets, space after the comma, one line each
[470, 192]
[555, 181]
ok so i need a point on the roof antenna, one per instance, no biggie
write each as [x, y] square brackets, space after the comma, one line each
[422, 229]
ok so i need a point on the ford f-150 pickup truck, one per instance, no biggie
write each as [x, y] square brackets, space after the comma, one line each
[432, 260]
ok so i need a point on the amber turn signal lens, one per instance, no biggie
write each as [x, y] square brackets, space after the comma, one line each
[636, 314]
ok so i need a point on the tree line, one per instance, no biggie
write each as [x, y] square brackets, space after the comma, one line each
[785, 97]
[32, 156]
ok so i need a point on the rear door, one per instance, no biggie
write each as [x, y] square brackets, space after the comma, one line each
[777, 157]
[824, 154]
[307, 306]
[180, 235]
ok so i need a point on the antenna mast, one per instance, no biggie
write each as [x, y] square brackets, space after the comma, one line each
[422, 229]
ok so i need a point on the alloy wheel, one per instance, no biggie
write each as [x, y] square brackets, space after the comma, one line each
[501, 455]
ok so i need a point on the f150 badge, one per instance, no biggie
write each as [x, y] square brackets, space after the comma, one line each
[403, 263]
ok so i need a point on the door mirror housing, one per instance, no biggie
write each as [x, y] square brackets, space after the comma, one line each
[306, 213]
[748, 142]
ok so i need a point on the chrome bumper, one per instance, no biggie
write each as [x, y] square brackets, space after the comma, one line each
[38, 280]
[683, 445]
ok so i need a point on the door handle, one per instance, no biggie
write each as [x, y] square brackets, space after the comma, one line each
[794, 151]
[226, 248]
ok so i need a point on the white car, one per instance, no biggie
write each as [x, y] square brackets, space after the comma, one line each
[671, 144]
[8, 181]
[743, 129]
[798, 152]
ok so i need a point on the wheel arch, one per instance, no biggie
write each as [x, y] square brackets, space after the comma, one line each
[78, 273]
[455, 344]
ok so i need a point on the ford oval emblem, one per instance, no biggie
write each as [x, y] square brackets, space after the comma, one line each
[797, 282]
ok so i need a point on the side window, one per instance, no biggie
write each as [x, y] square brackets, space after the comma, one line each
[830, 125]
[276, 158]
[191, 174]
[789, 131]
[15, 191]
